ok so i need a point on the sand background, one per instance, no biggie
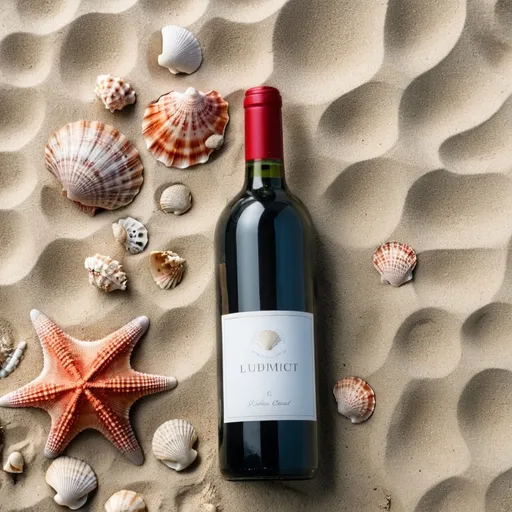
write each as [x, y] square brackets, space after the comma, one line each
[397, 125]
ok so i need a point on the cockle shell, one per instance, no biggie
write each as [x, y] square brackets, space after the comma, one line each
[131, 233]
[355, 398]
[125, 501]
[72, 479]
[395, 262]
[167, 268]
[105, 273]
[97, 165]
[181, 51]
[15, 463]
[172, 444]
[267, 339]
[114, 92]
[177, 126]
[176, 199]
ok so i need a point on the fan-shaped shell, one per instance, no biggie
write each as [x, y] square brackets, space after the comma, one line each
[105, 273]
[395, 262]
[97, 165]
[72, 479]
[181, 51]
[114, 92]
[167, 268]
[177, 126]
[355, 398]
[131, 233]
[176, 199]
[15, 463]
[125, 501]
[172, 444]
[267, 339]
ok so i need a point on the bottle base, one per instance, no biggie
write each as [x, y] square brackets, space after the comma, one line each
[229, 474]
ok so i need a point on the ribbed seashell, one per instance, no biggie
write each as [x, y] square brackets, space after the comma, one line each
[72, 479]
[97, 165]
[267, 339]
[13, 360]
[176, 199]
[172, 444]
[125, 501]
[181, 51]
[177, 126]
[167, 268]
[131, 233]
[114, 92]
[355, 398]
[105, 273]
[395, 262]
[15, 463]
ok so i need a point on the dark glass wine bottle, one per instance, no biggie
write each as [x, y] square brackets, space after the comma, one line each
[266, 352]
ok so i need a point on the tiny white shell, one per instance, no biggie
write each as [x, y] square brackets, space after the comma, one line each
[181, 51]
[13, 360]
[105, 273]
[72, 479]
[114, 92]
[176, 199]
[268, 339]
[167, 268]
[131, 233]
[214, 141]
[125, 501]
[15, 463]
[172, 444]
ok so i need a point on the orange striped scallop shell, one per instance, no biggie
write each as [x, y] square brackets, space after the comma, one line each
[395, 262]
[355, 398]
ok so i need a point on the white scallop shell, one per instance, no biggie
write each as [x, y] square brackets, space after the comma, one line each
[105, 273]
[114, 92]
[15, 463]
[125, 501]
[167, 268]
[176, 199]
[181, 51]
[72, 479]
[268, 339]
[172, 444]
[131, 233]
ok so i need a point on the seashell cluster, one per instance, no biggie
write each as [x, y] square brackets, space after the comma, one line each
[167, 268]
[97, 165]
[72, 479]
[181, 51]
[172, 444]
[355, 398]
[395, 262]
[15, 463]
[114, 92]
[125, 501]
[177, 126]
[176, 199]
[105, 273]
[267, 339]
[131, 233]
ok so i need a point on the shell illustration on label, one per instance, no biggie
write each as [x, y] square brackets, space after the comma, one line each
[267, 339]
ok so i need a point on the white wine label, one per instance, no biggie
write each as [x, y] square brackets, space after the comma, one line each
[268, 362]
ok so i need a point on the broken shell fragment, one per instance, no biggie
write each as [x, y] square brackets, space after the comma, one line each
[131, 233]
[167, 268]
[105, 273]
[15, 463]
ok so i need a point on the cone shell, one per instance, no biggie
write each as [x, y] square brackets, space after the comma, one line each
[181, 51]
[267, 339]
[72, 479]
[97, 165]
[125, 501]
[105, 273]
[172, 444]
[176, 199]
[131, 233]
[114, 92]
[177, 126]
[15, 463]
[355, 398]
[167, 268]
[395, 262]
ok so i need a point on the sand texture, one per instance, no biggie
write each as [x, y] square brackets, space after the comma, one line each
[398, 125]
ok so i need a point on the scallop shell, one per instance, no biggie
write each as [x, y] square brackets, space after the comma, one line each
[176, 199]
[355, 398]
[114, 92]
[15, 463]
[105, 273]
[97, 165]
[181, 51]
[167, 268]
[267, 340]
[125, 501]
[178, 125]
[172, 444]
[131, 233]
[72, 479]
[395, 262]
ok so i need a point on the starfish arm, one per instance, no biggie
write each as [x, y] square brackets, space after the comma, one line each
[137, 385]
[41, 395]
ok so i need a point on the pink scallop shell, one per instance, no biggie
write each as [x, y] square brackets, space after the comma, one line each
[395, 262]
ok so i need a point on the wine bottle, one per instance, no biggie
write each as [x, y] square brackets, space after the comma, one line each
[266, 351]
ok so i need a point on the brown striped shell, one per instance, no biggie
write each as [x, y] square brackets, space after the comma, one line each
[355, 398]
[395, 262]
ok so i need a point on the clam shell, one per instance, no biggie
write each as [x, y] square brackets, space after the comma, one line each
[176, 199]
[167, 268]
[172, 444]
[97, 165]
[355, 398]
[125, 501]
[181, 51]
[105, 273]
[177, 126]
[72, 479]
[15, 463]
[131, 233]
[395, 262]
[114, 92]
[267, 339]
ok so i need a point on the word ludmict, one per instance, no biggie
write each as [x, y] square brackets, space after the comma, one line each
[268, 367]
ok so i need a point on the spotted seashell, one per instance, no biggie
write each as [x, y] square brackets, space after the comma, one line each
[125, 501]
[181, 51]
[114, 92]
[167, 268]
[267, 339]
[355, 398]
[131, 233]
[105, 273]
[395, 262]
[176, 199]
[15, 463]
[172, 444]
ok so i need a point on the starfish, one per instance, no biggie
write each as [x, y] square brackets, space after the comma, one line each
[88, 385]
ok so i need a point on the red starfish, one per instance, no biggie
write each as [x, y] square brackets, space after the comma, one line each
[88, 385]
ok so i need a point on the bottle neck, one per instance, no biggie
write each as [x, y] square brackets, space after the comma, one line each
[265, 174]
